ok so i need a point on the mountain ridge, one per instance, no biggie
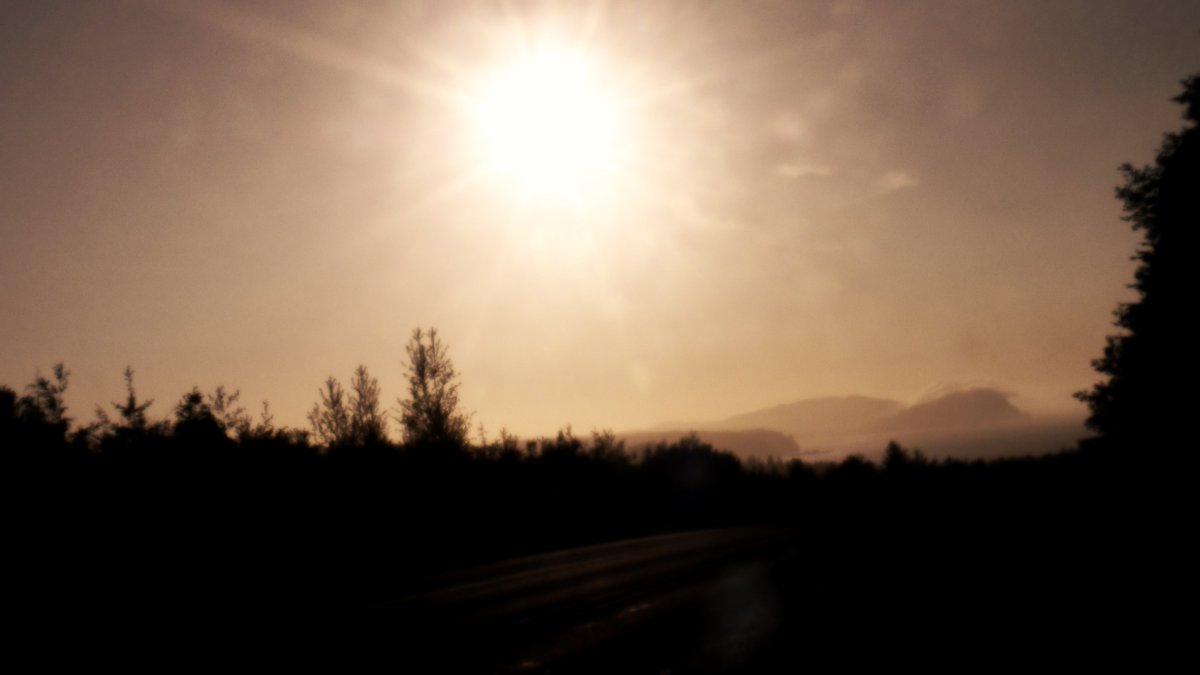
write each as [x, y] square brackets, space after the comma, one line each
[966, 423]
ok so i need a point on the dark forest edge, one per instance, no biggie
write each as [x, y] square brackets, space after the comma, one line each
[218, 508]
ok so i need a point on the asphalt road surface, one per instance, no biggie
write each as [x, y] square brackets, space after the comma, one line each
[706, 601]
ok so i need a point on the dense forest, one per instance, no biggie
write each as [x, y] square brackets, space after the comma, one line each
[221, 508]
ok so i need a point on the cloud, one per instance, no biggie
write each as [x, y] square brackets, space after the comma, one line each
[946, 387]
[802, 170]
[788, 127]
[895, 180]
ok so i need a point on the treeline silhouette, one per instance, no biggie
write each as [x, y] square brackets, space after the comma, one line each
[209, 509]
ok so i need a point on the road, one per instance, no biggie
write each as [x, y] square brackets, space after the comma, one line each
[694, 601]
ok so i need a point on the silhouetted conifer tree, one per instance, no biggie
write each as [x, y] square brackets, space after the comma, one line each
[132, 431]
[232, 417]
[368, 425]
[36, 422]
[132, 411]
[1135, 404]
[430, 415]
[330, 418]
[46, 396]
[195, 423]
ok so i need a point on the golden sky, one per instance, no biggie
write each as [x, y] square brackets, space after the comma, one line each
[711, 207]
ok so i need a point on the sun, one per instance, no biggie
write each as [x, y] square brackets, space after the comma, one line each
[548, 126]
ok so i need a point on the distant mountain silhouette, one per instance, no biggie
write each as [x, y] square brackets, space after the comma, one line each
[968, 409]
[974, 423]
[816, 415]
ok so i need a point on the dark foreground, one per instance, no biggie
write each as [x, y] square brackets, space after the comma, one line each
[764, 599]
[964, 592]
[566, 557]
[705, 598]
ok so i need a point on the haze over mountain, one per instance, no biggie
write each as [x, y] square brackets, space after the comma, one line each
[972, 408]
[965, 423]
[816, 415]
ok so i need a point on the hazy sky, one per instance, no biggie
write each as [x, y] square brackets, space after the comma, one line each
[813, 198]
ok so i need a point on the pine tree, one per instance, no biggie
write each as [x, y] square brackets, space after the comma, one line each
[1138, 403]
[430, 416]
[330, 418]
[368, 424]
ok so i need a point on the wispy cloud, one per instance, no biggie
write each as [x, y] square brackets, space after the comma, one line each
[802, 170]
[895, 180]
[788, 127]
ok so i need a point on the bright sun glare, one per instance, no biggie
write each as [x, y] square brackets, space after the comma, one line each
[548, 125]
